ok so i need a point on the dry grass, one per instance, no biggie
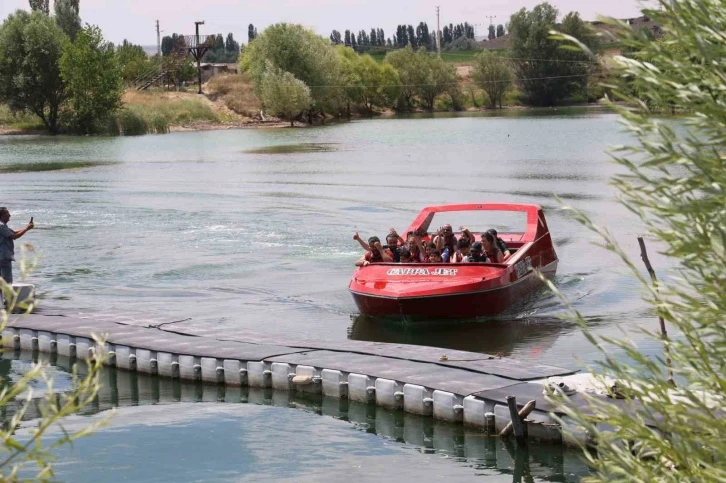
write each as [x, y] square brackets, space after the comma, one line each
[175, 107]
[236, 92]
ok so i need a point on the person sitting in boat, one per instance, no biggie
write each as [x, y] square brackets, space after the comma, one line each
[435, 257]
[445, 239]
[476, 254]
[407, 256]
[466, 235]
[462, 251]
[393, 240]
[491, 249]
[500, 243]
[375, 254]
[430, 248]
[416, 247]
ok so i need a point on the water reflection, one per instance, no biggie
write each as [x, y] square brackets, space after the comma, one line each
[462, 448]
[497, 336]
[29, 167]
[295, 148]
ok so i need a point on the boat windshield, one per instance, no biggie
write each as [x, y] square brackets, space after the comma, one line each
[478, 221]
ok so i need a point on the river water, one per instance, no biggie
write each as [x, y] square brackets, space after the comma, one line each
[165, 430]
[252, 229]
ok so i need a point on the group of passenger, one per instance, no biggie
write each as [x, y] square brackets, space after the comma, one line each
[442, 247]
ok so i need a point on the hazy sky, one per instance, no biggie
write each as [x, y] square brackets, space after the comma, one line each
[135, 19]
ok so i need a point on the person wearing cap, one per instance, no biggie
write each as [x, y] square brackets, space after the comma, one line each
[476, 254]
[7, 244]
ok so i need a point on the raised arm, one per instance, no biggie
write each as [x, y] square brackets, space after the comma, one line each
[22, 231]
[384, 256]
[362, 243]
[439, 240]
[421, 248]
[401, 241]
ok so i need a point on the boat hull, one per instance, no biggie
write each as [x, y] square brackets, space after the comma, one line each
[468, 305]
[459, 290]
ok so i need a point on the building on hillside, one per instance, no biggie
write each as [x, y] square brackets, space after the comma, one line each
[210, 70]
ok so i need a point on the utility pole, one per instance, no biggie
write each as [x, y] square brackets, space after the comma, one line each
[199, 57]
[438, 31]
[158, 40]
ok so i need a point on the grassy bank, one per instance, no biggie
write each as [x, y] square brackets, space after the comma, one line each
[236, 93]
[19, 121]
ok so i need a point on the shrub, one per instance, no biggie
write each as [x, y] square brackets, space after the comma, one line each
[131, 123]
[461, 44]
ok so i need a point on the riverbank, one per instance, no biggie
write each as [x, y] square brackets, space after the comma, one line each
[229, 102]
[224, 120]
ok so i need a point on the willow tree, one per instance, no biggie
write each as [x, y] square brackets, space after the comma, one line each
[674, 429]
[283, 95]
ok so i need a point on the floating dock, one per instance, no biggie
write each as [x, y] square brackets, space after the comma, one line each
[454, 386]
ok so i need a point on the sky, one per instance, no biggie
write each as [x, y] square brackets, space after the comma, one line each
[135, 19]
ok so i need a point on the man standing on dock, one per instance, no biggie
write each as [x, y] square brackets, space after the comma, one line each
[7, 244]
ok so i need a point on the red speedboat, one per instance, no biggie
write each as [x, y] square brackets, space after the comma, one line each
[459, 290]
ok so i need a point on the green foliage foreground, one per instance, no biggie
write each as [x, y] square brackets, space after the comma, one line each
[30, 455]
[676, 184]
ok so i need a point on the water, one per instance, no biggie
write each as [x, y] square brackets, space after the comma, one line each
[164, 430]
[252, 229]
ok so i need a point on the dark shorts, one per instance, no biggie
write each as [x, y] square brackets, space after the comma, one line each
[6, 271]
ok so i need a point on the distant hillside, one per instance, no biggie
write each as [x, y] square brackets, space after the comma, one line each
[637, 24]
[150, 49]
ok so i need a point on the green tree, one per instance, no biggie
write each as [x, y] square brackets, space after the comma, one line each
[92, 75]
[500, 30]
[132, 60]
[411, 71]
[304, 54]
[492, 74]
[674, 180]
[440, 78]
[42, 6]
[282, 94]
[368, 82]
[492, 32]
[30, 51]
[251, 33]
[231, 46]
[556, 73]
[67, 17]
